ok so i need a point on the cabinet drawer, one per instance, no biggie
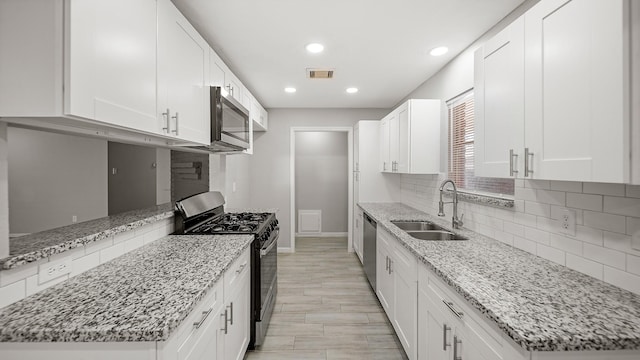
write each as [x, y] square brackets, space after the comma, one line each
[236, 271]
[487, 338]
[189, 334]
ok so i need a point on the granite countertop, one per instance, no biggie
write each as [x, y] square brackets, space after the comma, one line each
[541, 305]
[33, 247]
[143, 295]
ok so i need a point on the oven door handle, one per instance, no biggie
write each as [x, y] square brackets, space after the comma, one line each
[264, 252]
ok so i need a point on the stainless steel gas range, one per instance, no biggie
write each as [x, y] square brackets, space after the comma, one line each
[203, 214]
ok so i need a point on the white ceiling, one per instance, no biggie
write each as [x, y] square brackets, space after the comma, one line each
[380, 46]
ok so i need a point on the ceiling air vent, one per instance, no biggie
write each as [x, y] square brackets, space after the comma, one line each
[320, 73]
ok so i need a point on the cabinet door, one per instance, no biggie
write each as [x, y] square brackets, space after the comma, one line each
[111, 59]
[384, 280]
[576, 107]
[404, 143]
[238, 307]
[209, 343]
[394, 141]
[183, 66]
[435, 340]
[499, 103]
[405, 300]
[385, 163]
[217, 70]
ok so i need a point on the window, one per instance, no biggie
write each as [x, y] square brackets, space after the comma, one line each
[461, 136]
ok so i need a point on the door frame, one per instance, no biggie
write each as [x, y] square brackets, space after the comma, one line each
[292, 180]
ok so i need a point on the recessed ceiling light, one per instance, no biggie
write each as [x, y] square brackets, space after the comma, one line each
[290, 90]
[314, 48]
[352, 90]
[440, 50]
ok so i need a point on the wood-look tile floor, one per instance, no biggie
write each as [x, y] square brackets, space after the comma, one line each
[325, 308]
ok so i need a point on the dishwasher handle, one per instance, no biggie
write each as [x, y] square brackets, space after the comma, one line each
[371, 222]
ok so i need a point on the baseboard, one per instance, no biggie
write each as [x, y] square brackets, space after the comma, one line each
[284, 250]
[323, 234]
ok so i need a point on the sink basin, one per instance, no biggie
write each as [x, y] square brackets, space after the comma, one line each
[436, 235]
[417, 226]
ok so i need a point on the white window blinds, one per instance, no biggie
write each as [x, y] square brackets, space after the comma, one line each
[461, 150]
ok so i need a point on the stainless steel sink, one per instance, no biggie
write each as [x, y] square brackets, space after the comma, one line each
[435, 235]
[418, 226]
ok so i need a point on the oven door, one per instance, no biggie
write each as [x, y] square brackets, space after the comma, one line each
[268, 285]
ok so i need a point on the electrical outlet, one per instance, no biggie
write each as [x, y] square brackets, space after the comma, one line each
[568, 222]
[74, 218]
[53, 270]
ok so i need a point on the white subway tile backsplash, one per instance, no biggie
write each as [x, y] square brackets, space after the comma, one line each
[73, 254]
[622, 279]
[551, 254]
[33, 286]
[98, 245]
[603, 189]
[566, 244]
[123, 236]
[536, 235]
[524, 244]
[111, 252]
[605, 256]
[622, 206]
[584, 201]
[537, 184]
[568, 186]
[551, 197]
[590, 235]
[585, 266]
[514, 229]
[539, 209]
[84, 263]
[135, 242]
[633, 264]
[604, 221]
[20, 273]
[12, 293]
[607, 240]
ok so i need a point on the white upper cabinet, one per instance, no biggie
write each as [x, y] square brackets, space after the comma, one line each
[93, 60]
[410, 138]
[577, 90]
[553, 88]
[499, 104]
[183, 70]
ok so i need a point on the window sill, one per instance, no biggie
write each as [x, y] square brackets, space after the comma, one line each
[483, 199]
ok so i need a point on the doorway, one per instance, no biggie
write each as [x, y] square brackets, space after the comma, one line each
[322, 180]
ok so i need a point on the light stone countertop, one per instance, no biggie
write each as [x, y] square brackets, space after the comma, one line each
[541, 305]
[33, 247]
[143, 295]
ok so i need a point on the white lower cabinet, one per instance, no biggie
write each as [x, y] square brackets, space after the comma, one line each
[396, 282]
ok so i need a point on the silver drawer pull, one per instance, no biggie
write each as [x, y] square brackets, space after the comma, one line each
[226, 321]
[456, 342]
[453, 310]
[241, 268]
[231, 310]
[175, 131]
[205, 314]
[527, 168]
[168, 115]
[445, 344]
[512, 155]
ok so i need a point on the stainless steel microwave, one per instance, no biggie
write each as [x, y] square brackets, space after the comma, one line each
[229, 122]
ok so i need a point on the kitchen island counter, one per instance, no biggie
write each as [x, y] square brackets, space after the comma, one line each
[541, 305]
[143, 295]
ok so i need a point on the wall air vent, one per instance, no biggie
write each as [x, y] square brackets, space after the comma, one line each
[320, 73]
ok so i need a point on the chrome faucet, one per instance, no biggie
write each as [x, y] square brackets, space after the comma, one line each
[455, 222]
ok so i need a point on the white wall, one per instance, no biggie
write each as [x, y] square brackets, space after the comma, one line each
[270, 176]
[321, 167]
[54, 176]
[607, 242]
[163, 181]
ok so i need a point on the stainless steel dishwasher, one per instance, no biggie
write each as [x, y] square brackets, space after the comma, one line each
[369, 253]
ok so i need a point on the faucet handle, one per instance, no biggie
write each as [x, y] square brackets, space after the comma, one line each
[440, 208]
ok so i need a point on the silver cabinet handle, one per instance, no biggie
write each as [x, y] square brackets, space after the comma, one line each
[205, 314]
[453, 310]
[386, 263]
[512, 171]
[225, 316]
[456, 342]
[390, 266]
[168, 116]
[176, 129]
[527, 168]
[231, 317]
[445, 328]
[384, 166]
